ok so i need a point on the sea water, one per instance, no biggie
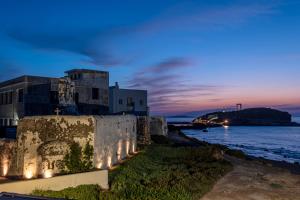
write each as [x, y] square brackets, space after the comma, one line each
[275, 143]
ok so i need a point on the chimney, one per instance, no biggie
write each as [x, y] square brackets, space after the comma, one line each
[117, 85]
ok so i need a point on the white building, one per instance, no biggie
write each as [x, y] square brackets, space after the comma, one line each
[127, 101]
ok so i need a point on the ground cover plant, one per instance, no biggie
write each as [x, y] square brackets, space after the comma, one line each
[158, 172]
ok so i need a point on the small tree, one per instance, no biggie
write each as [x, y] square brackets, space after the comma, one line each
[78, 161]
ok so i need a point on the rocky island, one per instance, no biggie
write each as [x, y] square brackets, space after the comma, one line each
[247, 117]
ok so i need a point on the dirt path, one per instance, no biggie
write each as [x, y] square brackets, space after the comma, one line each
[251, 180]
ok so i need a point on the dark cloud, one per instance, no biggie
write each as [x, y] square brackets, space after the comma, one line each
[170, 65]
[93, 43]
[169, 92]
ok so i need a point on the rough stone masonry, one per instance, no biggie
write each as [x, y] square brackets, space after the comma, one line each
[43, 141]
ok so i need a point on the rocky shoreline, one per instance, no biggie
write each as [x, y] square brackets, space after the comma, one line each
[180, 139]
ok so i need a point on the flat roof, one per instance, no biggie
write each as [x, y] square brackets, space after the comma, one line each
[23, 78]
[84, 71]
[127, 89]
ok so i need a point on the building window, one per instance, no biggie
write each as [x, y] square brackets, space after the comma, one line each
[54, 97]
[5, 122]
[1, 122]
[95, 93]
[1, 98]
[76, 98]
[141, 102]
[129, 101]
[5, 98]
[120, 101]
[20, 95]
[10, 97]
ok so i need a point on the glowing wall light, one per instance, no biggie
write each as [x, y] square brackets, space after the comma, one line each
[99, 165]
[109, 162]
[133, 148]
[119, 152]
[48, 174]
[127, 147]
[28, 174]
[5, 167]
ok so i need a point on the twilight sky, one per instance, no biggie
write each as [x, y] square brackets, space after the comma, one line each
[189, 55]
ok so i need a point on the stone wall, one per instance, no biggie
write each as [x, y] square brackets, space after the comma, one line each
[42, 142]
[7, 153]
[143, 131]
[158, 126]
[115, 138]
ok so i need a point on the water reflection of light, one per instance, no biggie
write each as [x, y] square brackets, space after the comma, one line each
[48, 174]
[226, 127]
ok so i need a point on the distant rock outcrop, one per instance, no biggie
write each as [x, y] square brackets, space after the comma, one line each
[251, 117]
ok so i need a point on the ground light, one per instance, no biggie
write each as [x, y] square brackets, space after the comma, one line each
[48, 174]
[28, 174]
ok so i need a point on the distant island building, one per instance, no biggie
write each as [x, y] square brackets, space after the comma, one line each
[127, 101]
[80, 92]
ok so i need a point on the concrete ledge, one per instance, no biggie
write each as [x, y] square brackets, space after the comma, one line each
[57, 183]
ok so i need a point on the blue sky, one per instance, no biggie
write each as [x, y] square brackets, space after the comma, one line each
[190, 55]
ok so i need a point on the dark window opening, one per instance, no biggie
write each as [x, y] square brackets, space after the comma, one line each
[120, 101]
[130, 101]
[95, 112]
[10, 97]
[76, 98]
[1, 98]
[54, 97]
[21, 95]
[141, 102]
[95, 93]
[5, 99]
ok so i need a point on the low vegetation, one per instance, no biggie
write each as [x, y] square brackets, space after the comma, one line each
[161, 171]
[77, 160]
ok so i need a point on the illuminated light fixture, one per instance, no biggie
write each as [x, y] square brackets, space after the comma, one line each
[99, 165]
[48, 174]
[28, 174]
[127, 147]
[119, 152]
[5, 168]
[226, 127]
[109, 162]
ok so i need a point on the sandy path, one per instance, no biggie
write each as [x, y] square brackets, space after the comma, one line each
[254, 181]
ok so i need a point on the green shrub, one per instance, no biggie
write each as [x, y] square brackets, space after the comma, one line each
[77, 160]
[158, 172]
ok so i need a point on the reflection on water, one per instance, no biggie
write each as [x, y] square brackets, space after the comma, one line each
[276, 143]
